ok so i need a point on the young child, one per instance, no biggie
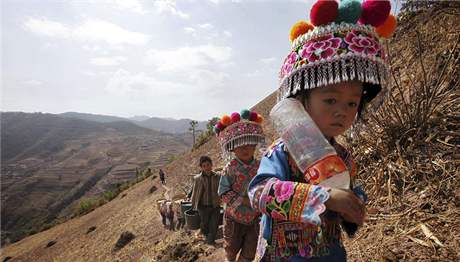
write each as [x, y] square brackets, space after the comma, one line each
[170, 215]
[206, 200]
[334, 70]
[162, 208]
[179, 215]
[240, 134]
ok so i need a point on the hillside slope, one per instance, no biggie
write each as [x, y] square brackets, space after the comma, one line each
[49, 163]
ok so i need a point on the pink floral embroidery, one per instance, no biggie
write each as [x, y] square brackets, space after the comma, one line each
[320, 48]
[268, 199]
[361, 43]
[289, 63]
[283, 191]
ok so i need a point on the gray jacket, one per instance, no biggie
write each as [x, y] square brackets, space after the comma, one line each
[201, 194]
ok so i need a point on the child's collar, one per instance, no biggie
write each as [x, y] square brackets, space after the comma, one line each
[244, 163]
[205, 174]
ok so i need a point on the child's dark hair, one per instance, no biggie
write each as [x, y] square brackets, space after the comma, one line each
[205, 159]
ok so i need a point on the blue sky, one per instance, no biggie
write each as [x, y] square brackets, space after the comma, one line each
[166, 58]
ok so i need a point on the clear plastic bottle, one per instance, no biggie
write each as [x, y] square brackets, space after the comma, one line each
[313, 154]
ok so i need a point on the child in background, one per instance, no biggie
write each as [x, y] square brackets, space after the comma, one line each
[163, 210]
[179, 215]
[240, 134]
[206, 200]
[335, 68]
[170, 214]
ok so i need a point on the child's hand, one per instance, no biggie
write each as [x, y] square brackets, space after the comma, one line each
[347, 204]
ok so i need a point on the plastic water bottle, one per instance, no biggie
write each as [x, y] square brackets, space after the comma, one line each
[311, 151]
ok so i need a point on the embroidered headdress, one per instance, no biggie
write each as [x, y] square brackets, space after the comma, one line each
[239, 129]
[342, 42]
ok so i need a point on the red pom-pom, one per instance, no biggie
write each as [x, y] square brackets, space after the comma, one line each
[219, 126]
[235, 117]
[375, 12]
[226, 120]
[324, 12]
[253, 116]
[259, 119]
[388, 28]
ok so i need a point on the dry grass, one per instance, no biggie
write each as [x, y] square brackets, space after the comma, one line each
[408, 150]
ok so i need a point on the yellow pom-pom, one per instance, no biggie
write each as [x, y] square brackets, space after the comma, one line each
[259, 119]
[226, 120]
[299, 28]
[387, 29]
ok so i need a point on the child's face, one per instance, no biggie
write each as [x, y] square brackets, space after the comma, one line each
[334, 107]
[206, 167]
[245, 153]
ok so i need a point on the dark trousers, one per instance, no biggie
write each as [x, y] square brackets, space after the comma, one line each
[240, 238]
[163, 219]
[209, 222]
[180, 223]
[171, 222]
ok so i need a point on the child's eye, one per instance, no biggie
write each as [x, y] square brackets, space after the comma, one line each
[352, 104]
[330, 101]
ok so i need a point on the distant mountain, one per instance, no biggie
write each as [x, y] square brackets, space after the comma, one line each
[138, 118]
[93, 117]
[50, 162]
[168, 125]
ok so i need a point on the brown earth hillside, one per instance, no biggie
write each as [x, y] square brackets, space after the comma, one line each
[51, 163]
[408, 157]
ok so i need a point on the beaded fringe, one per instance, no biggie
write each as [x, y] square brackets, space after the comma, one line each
[247, 139]
[347, 68]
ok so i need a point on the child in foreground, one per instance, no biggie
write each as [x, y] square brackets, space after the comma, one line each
[335, 69]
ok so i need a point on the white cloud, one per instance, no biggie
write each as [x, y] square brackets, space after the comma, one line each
[46, 27]
[268, 60]
[206, 26]
[169, 6]
[102, 31]
[33, 83]
[207, 32]
[131, 5]
[206, 79]
[90, 30]
[185, 58]
[190, 30]
[123, 82]
[255, 73]
[220, 1]
[107, 61]
[227, 33]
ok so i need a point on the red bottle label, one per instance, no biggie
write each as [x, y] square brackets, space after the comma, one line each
[324, 169]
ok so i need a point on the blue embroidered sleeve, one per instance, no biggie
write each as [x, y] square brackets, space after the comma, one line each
[274, 195]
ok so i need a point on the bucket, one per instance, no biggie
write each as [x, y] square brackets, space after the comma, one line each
[184, 206]
[192, 219]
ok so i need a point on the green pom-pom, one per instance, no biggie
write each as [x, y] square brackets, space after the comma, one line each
[245, 114]
[349, 11]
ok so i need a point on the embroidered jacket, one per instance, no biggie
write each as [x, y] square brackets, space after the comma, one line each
[233, 189]
[295, 225]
